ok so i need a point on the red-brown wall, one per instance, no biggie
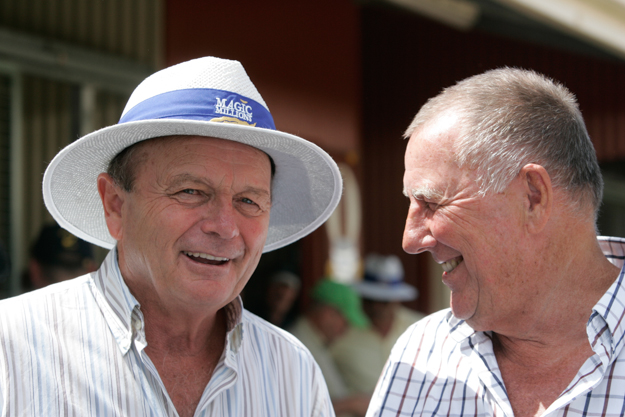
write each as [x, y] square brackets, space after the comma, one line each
[303, 56]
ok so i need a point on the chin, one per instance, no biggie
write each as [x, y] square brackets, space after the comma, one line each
[462, 313]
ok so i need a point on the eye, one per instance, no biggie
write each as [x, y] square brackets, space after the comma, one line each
[430, 206]
[424, 201]
[247, 201]
[427, 206]
[248, 206]
[251, 207]
[189, 196]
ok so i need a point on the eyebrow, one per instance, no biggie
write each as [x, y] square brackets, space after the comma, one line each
[180, 179]
[424, 193]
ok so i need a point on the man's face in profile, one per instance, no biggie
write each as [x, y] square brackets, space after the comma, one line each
[474, 238]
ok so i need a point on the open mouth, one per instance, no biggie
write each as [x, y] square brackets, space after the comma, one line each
[452, 264]
[205, 258]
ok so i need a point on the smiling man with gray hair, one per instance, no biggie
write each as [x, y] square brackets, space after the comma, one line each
[187, 190]
[504, 191]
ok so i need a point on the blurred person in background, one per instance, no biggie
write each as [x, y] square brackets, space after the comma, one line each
[279, 303]
[361, 354]
[57, 255]
[334, 308]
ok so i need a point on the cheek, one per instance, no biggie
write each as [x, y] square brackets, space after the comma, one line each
[443, 228]
[158, 214]
[254, 232]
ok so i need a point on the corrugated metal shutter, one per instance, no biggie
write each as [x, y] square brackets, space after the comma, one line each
[53, 111]
[126, 28]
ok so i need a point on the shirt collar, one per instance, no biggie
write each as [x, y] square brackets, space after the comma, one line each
[120, 308]
[609, 312]
[610, 307]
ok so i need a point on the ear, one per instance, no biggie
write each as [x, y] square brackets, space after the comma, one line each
[537, 187]
[112, 198]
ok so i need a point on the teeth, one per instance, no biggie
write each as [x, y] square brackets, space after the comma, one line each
[452, 264]
[206, 256]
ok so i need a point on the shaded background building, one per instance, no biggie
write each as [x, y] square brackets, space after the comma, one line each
[346, 74]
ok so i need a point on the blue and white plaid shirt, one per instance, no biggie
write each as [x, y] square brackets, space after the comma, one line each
[77, 348]
[442, 367]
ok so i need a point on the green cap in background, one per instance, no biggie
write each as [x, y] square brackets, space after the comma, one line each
[343, 298]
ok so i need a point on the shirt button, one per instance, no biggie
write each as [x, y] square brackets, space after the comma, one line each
[137, 324]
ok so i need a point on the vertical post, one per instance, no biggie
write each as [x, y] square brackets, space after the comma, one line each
[17, 181]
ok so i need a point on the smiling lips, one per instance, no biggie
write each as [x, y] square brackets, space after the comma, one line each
[451, 264]
[206, 258]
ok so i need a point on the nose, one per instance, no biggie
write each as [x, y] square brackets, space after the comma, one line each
[222, 219]
[417, 234]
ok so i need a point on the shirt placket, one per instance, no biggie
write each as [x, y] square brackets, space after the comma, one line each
[594, 369]
[225, 374]
[483, 361]
[153, 400]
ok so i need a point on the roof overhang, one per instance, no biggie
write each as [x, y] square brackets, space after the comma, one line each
[599, 22]
[593, 24]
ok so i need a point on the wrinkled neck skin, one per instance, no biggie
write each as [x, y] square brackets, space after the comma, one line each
[566, 257]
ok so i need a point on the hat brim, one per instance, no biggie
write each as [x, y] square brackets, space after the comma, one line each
[377, 292]
[306, 187]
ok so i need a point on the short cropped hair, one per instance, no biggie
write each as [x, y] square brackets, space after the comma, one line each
[509, 118]
[123, 167]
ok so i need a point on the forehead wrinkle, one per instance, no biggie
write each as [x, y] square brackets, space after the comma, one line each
[178, 179]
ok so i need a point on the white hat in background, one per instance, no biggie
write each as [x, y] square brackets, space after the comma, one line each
[210, 97]
[383, 280]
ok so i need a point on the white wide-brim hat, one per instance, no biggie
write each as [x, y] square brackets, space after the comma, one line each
[383, 280]
[210, 97]
[386, 292]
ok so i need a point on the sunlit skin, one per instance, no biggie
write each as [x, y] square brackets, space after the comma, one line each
[449, 219]
[511, 266]
[493, 237]
[191, 195]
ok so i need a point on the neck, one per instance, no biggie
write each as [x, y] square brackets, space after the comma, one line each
[576, 277]
[170, 335]
[171, 324]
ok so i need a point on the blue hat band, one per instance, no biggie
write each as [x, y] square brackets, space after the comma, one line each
[374, 279]
[206, 104]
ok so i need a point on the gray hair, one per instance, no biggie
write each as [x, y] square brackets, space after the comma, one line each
[509, 118]
[122, 168]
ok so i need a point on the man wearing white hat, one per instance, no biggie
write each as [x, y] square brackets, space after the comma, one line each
[382, 291]
[181, 190]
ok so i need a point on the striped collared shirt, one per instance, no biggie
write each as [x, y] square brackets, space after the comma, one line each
[77, 348]
[441, 366]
